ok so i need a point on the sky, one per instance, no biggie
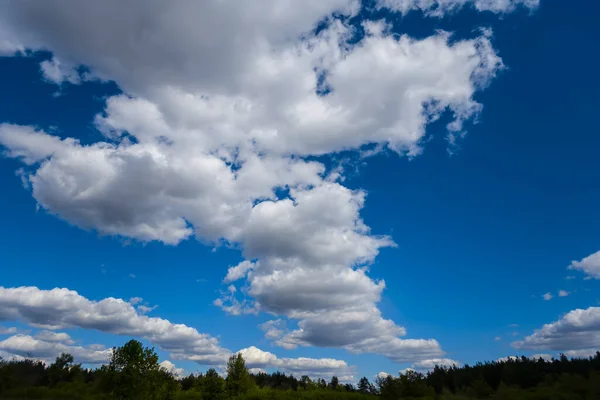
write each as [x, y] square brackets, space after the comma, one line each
[330, 187]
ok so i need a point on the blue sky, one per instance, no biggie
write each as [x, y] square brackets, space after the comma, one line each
[483, 227]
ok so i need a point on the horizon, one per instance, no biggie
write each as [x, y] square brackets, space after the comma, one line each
[335, 188]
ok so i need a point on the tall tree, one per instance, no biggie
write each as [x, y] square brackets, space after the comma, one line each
[366, 387]
[238, 379]
[58, 371]
[213, 386]
[136, 374]
[335, 383]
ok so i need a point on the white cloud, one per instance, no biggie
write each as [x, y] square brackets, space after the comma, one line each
[9, 45]
[577, 330]
[172, 368]
[563, 293]
[229, 303]
[57, 72]
[440, 7]
[256, 370]
[498, 338]
[423, 366]
[222, 100]
[274, 329]
[543, 356]
[590, 265]
[509, 358]
[57, 337]
[258, 359]
[26, 346]
[583, 353]
[547, 296]
[7, 331]
[427, 365]
[30, 145]
[63, 308]
[238, 272]
[382, 375]
[136, 300]
[142, 309]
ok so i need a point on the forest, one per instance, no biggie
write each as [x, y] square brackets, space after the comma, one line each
[134, 373]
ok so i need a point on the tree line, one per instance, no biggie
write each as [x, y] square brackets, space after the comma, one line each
[134, 373]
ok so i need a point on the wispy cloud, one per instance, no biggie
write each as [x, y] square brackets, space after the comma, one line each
[547, 296]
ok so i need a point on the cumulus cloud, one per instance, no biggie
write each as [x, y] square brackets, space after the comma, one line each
[274, 329]
[590, 265]
[7, 331]
[543, 356]
[584, 353]
[427, 365]
[314, 367]
[382, 375]
[62, 308]
[226, 102]
[439, 8]
[577, 330]
[547, 296]
[136, 300]
[508, 358]
[238, 272]
[47, 350]
[143, 309]
[170, 367]
[57, 337]
[57, 72]
[563, 293]
[423, 366]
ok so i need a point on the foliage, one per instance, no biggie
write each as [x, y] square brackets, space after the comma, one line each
[238, 380]
[134, 373]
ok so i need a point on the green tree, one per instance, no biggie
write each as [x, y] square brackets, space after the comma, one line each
[366, 387]
[238, 379]
[213, 386]
[306, 383]
[59, 370]
[335, 383]
[136, 374]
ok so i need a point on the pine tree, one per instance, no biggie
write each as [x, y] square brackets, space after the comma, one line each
[238, 379]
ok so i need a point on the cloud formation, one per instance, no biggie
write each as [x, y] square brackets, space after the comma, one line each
[578, 330]
[547, 296]
[7, 331]
[590, 265]
[172, 368]
[439, 8]
[54, 337]
[47, 350]
[313, 367]
[424, 366]
[62, 308]
[427, 365]
[224, 106]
